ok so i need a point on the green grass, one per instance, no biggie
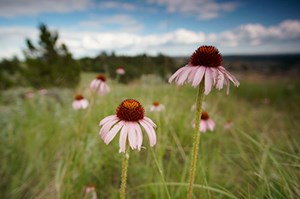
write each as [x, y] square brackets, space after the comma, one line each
[48, 150]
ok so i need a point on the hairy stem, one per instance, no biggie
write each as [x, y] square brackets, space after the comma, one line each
[196, 139]
[124, 173]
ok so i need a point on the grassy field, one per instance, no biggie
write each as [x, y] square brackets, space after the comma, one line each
[49, 151]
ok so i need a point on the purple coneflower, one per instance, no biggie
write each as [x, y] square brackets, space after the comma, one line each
[120, 71]
[80, 102]
[205, 71]
[99, 84]
[157, 107]
[128, 120]
[206, 123]
[205, 65]
[90, 192]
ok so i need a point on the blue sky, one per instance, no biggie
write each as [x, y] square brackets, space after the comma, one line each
[171, 27]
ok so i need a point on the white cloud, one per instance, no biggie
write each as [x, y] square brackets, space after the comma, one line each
[255, 38]
[117, 5]
[125, 23]
[12, 40]
[12, 8]
[203, 9]
[256, 34]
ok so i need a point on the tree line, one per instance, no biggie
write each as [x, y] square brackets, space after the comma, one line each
[49, 63]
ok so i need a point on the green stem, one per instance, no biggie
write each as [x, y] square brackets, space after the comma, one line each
[161, 173]
[196, 139]
[124, 173]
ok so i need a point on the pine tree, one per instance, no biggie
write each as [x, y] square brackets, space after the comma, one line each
[50, 64]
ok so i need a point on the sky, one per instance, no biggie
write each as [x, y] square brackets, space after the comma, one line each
[170, 27]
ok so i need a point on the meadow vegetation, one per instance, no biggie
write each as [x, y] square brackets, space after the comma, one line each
[48, 150]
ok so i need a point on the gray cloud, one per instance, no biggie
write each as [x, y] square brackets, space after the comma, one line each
[125, 23]
[12, 8]
[117, 5]
[247, 38]
[203, 9]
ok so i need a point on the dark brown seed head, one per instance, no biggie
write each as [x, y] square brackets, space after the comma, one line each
[101, 77]
[130, 110]
[79, 97]
[208, 56]
[155, 103]
[204, 115]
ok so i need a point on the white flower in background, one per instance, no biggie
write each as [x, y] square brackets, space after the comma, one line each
[157, 107]
[99, 84]
[80, 102]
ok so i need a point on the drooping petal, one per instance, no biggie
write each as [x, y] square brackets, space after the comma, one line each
[192, 74]
[84, 103]
[228, 85]
[150, 121]
[198, 76]
[220, 80]
[132, 136]
[75, 105]
[108, 118]
[210, 124]
[106, 127]
[139, 136]
[176, 74]
[229, 76]
[94, 84]
[113, 132]
[214, 75]
[150, 131]
[123, 138]
[208, 81]
[203, 126]
[101, 88]
[183, 76]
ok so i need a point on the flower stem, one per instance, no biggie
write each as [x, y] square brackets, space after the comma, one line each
[124, 173]
[196, 138]
[161, 173]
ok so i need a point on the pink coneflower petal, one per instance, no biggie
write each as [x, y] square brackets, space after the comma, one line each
[150, 131]
[229, 76]
[150, 121]
[132, 136]
[198, 76]
[139, 136]
[203, 126]
[227, 83]
[113, 132]
[208, 81]
[106, 127]
[192, 74]
[210, 124]
[106, 119]
[95, 83]
[175, 75]
[214, 75]
[220, 81]
[123, 138]
[183, 77]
